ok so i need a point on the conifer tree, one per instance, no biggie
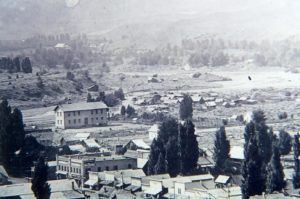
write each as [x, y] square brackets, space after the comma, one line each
[40, 187]
[284, 143]
[160, 167]
[153, 157]
[188, 146]
[26, 65]
[123, 110]
[251, 183]
[186, 108]
[296, 176]
[221, 151]
[275, 176]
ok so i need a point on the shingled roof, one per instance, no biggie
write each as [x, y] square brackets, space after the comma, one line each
[81, 106]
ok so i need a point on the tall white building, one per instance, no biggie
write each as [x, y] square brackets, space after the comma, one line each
[81, 115]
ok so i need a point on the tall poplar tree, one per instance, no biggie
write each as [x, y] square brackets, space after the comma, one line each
[275, 176]
[221, 151]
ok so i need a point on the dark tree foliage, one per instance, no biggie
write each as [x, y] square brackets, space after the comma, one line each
[40, 187]
[258, 133]
[284, 143]
[186, 108]
[26, 65]
[119, 94]
[123, 110]
[111, 100]
[17, 64]
[40, 83]
[160, 166]
[178, 145]
[296, 176]
[10, 64]
[221, 151]
[188, 148]
[130, 111]
[153, 157]
[70, 76]
[275, 176]
[172, 156]
[89, 98]
[252, 183]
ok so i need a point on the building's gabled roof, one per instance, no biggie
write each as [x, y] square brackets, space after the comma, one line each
[3, 171]
[140, 144]
[222, 179]
[91, 143]
[81, 106]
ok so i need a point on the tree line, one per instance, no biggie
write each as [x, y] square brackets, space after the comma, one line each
[16, 64]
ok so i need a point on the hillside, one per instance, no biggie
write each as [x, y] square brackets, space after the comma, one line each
[148, 23]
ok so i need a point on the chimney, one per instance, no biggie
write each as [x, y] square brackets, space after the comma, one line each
[69, 101]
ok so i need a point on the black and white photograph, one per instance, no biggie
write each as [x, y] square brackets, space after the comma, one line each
[149, 99]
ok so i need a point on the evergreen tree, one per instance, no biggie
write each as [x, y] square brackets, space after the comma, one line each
[89, 98]
[160, 167]
[221, 151]
[186, 108]
[123, 110]
[256, 133]
[188, 146]
[40, 187]
[119, 94]
[252, 183]
[17, 64]
[26, 65]
[275, 176]
[296, 176]
[285, 143]
[18, 132]
[40, 83]
[172, 157]
[6, 138]
[153, 157]
[130, 111]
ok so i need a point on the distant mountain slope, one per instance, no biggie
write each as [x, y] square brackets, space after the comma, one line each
[150, 22]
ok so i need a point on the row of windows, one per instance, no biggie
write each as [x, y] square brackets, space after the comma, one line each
[72, 170]
[79, 120]
[115, 167]
[59, 113]
[59, 121]
[78, 112]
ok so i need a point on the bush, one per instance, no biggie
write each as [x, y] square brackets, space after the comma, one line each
[70, 76]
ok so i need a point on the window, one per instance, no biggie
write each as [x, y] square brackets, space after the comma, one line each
[101, 118]
[92, 120]
[99, 169]
[57, 121]
[96, 111]
[69, 121]
[78, 112]
[58, 167]
[69, 114]
[60, 113]
[129, 166]
[79, 121]
[92, 112]
[97, 118]
[116, 167]
[74, 113]
[74, 121]
[101, 111]
[107, 168]
[57, 113]
[179, 191]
